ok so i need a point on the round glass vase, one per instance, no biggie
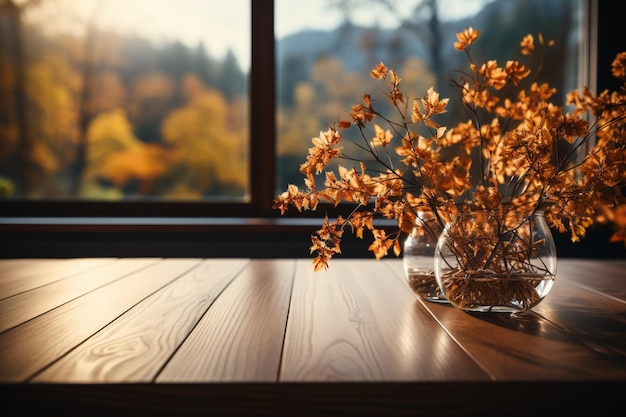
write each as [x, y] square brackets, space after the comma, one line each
[496, 261]
[418, 257]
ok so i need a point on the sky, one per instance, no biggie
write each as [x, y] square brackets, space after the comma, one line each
[220, 25]
[295, 15]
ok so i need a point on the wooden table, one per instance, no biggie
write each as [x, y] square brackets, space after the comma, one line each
[271, 337]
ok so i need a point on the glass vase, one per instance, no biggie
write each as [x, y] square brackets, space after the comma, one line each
[418, 257]
[496, 261]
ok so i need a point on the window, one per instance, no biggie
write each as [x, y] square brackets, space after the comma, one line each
[117, 101]
[325, 51]
[321, 62]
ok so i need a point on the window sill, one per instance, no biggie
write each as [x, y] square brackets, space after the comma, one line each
[204, 237]
[147, 224]
[63, 237]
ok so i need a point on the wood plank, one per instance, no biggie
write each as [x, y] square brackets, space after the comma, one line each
[26, 305]
[356, 321]
[135, 347]
[8, 264]
[240, 338]
[28, 348]
[518, 347]
[601, 325]
[13, 265]
[593, 318]
[607, 276]
[19, 275]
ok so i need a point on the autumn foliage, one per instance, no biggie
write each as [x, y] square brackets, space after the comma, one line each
[517, 150]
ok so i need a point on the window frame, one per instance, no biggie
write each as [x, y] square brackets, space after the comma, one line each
[261, 148]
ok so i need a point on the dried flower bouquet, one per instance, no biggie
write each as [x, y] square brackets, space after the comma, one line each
[520, 153]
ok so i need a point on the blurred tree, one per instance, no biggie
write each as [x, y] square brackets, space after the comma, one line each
[336, 86]
[149, 103]
[175, 59]
[319, 102]
[59, 89]
[52, 88]
[424, 21]
[13, 11]
[119, 159]
[209, 161]
[292, 70]
[109, 133]
[232, 82]
[95, 57]
[203, 66]
[140, 56]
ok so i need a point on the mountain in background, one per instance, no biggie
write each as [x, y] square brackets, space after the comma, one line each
[503, 24]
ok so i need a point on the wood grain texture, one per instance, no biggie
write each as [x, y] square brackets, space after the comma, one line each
[609, 280]
[136, 346]
[356, 321]
[531, 347]
[26, 305]
[596, 320]
[19, 275]
[240, 339]
[523, 346]
[227, 322]
[28, 348]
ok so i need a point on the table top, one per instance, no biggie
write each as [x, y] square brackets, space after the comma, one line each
[272, 327]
